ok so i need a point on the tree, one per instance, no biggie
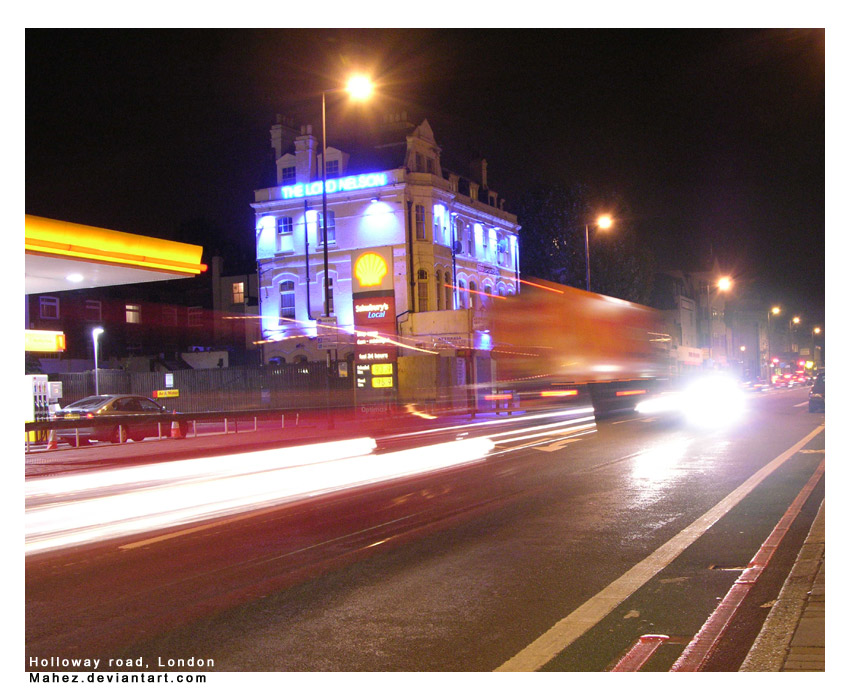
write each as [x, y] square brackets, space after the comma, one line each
[552, 244]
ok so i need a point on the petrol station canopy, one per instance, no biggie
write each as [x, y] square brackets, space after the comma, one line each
[62, 256]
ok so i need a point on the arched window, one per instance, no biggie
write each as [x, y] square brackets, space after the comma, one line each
[449, 292]
[422, 289]
[473, 295]
[438, 277]
[461, 294]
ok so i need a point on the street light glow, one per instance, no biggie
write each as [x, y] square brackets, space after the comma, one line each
[776, 311]
[724, 284]
[604, 221]
[359, 87]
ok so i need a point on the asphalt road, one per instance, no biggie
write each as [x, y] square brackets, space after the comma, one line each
[553, 553]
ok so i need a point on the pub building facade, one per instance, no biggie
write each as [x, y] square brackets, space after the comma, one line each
[415, 254]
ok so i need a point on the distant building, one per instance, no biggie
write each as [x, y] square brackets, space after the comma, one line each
[415, 252]
[206, 321]
[695, 315]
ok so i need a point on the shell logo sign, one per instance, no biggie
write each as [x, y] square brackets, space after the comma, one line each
[370, 269]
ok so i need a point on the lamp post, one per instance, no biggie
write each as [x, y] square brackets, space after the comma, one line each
[358, 87]
[602, 222]
[775, 311]
[791, 323]
[724, 284]
[94, 334]
[815, 331]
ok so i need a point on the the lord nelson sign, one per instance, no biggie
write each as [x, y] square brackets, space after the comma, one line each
[339, 184]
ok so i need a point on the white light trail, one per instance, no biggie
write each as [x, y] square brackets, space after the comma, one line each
[119, 515]
[197, 468]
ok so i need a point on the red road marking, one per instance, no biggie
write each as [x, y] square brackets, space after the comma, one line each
[639, 654]
[701, 646]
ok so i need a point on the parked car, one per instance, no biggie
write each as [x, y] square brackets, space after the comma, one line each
[133, 408]
[817, 395]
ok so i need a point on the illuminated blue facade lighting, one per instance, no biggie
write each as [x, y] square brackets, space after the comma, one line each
[341, 184]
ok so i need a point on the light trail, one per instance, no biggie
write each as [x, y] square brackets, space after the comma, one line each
[197, 468]
[119, 515]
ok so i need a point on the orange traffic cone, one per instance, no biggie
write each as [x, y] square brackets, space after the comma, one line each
[51, 441]
[175, 429]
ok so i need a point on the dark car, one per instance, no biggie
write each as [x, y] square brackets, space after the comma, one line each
[817, 396]
[135, 409]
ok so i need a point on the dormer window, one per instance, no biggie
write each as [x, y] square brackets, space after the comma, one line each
[287, 176]
[419, 164]
[430, 165]
[332, 169]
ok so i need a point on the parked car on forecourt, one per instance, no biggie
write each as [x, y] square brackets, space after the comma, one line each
[817, 395]
[128, 406]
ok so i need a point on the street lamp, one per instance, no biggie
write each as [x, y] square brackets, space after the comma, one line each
[359, 87]
[604, 221]
[775, 311]
[815, 331]
[724, 284]
[796, 322]
[94, 334]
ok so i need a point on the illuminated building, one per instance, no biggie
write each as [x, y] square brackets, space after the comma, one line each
[415, 251]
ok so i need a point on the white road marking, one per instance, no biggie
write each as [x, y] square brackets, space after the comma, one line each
[586, 616]
[799, 405]
[558, 445]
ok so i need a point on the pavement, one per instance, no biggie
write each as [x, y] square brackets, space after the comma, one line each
[793, 637]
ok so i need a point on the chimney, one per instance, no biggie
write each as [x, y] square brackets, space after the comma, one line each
[306, 149]
[478, 171]
[283, 135]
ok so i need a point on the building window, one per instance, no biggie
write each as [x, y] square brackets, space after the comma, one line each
[287, 300]
[284, 234]
[449, 290]
[238, 292]
[331, 227]
[287, 176]
[420, 222]
[439, 280]
[419, 167]
[169, 315]
[473, 295]
[133, 313]
[195, 316]
[422, 289]
[93, 310]
[430, 165]
[461, 294]
[48, 307]
[333, 168]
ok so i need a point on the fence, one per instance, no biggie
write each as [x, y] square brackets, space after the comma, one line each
[223, 389]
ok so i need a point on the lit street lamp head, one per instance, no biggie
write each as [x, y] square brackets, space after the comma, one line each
[724, 284]
[604, 221]
[359, 87]
[776, 311]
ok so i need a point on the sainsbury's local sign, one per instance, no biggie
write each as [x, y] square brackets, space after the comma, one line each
[339, 184]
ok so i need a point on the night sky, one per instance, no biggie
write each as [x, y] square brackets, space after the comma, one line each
[714, 138]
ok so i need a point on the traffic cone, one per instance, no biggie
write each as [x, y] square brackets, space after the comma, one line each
[51, 441]
[175, 429]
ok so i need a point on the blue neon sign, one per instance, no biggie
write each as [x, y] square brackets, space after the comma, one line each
[340, 184]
